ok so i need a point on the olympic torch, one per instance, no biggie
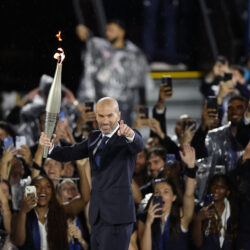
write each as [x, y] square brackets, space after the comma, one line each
[54, 98]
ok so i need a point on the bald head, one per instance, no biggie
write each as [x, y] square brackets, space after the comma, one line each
[107, 114]
[108, 101]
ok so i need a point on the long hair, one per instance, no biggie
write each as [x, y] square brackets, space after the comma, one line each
[56, 220]
[215, 223]
[174, 219]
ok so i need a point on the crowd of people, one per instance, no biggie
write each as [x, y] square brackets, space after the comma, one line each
[189, 192]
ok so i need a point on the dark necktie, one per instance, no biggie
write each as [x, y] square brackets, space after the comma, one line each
[99, 150]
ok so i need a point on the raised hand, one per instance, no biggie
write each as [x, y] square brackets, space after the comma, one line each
[188, 155]
[125, 130]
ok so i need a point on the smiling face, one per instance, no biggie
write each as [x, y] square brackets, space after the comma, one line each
[235, 111]
[44, 192]
[155, 165]
[53, 168]
[68, 191]
[164, 190]
[219, 190]
[107, 115]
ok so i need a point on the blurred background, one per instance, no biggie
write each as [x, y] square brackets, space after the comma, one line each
[176, 36]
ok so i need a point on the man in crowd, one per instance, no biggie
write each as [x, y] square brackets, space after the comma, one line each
[112, 152]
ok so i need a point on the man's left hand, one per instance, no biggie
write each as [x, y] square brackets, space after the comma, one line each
[125, 130]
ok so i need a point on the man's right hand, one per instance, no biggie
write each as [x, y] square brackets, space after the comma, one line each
[45, 141]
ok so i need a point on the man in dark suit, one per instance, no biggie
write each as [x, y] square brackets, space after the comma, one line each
[111, 212]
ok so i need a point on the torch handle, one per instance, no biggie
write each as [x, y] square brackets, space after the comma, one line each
[50, 127]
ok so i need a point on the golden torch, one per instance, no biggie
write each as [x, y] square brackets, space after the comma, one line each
[54, 98]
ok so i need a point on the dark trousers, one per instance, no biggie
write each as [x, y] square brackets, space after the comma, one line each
[105, 236]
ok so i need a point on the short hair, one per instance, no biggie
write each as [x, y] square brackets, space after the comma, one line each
[239, 98]
[118, 22]
[238, 68]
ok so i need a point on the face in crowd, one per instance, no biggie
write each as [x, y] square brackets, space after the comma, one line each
[165, 190]
[140, 162]
[107, 115]
[68, 169]
[155, 165]
[114, 33]
[44, 191]
[68, 191]
[219, 189]
[53, 168]
[179, 128]
[235, 111]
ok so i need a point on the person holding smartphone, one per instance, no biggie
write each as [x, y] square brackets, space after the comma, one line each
[215, 225]
[168, 229]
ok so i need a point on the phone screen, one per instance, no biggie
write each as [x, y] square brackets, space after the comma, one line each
[167, 80]
[91, 105]
[157, 200]
[212, 102]
[144, 110]
[20, 140]
[7, 142]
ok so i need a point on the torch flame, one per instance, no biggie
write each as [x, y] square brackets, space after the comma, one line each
[59, 55]
[59, 36]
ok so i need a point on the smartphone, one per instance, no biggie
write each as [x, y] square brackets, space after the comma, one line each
[7, 142]
[62, 115]
[158, 200]
[144, 110]
[227, 77]
[167, 80]
[20, 140]
[29, 190]
[209, 198]
[91, 105]
[212, 102]
[170, 158]
[189, 123]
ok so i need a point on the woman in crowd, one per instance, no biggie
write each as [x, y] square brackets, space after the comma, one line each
[166, 227]
[40, 221]
[215, 226]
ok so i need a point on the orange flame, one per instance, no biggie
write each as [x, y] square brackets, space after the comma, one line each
[59, 55]
[59, 36]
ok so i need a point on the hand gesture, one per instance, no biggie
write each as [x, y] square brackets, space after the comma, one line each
[45, 141]
[209, 118]
[152, 213]
[155, 126]
[125, 130]
[188, 134]
[246, 154]
[8, 154]
[26, 154]
[188, 155]
[28, 203]
[165, 92]
[225, 88]
[248, 110]
[206, 213]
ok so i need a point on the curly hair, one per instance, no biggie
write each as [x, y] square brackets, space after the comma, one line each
[215, 223]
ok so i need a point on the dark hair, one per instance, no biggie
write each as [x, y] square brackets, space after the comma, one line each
[57, 220]
[9, 188]
[174, 219]
[232, 198]
[159, 151]
[238, 68]
[221, 59]
[7, 127]
[118, 22]
[239, 98]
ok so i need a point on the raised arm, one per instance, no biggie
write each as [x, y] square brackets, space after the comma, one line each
[188, 158]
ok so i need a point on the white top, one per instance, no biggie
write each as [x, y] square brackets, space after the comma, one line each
[43, 233]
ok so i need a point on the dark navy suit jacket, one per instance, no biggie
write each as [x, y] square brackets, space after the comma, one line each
[111, 194]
